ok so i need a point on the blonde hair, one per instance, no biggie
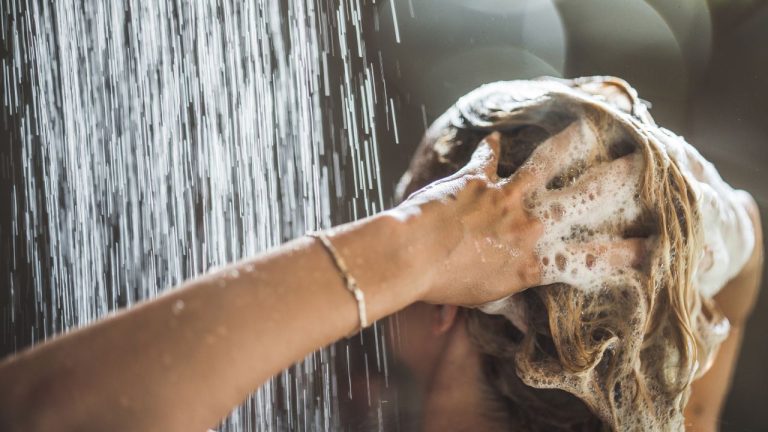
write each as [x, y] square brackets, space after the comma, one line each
[620, 358]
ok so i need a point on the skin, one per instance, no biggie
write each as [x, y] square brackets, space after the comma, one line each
[183, 360]
[439, 350]
[736, 300]
[448, 370]
[432, 331]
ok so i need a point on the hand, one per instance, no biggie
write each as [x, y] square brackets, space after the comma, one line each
[498, 236]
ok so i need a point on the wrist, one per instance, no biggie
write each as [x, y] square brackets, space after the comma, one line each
[427, 235]
[389, 257]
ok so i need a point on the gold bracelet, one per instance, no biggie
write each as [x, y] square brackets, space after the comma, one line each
[349, 281]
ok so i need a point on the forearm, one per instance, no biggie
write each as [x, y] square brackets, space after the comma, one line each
[182, 361]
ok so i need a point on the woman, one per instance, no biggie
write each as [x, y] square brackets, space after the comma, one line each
[471, 238]
[565, 357]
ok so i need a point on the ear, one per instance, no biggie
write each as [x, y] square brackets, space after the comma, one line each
[444, 316]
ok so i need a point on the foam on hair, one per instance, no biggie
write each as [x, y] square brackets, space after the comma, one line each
[594, 345]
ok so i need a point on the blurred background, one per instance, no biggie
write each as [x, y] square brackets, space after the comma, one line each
[703, 65]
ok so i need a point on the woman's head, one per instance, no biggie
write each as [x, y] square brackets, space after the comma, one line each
[569, 356]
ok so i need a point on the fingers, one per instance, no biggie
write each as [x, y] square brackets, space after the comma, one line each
[606, 194]
[575, 144]
[585, 264]
[484, 162]
[485, 158]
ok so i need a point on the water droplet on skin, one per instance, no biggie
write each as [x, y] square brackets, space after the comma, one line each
[178, 306]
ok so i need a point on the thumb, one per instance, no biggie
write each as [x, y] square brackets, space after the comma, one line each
[485, 158]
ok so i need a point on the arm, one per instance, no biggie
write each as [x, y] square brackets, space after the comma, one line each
[183, 360]
[736, 301]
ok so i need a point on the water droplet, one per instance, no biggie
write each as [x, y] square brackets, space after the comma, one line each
[178, 306]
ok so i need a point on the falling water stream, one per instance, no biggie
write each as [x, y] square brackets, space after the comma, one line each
[156, 140]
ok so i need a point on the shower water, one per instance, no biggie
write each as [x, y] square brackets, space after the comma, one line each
[157, 140]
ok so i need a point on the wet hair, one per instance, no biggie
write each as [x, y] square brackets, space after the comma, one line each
[618, 358]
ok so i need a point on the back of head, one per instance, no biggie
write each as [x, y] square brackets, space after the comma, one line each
[619, 355]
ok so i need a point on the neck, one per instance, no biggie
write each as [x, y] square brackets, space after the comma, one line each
[454, 399]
